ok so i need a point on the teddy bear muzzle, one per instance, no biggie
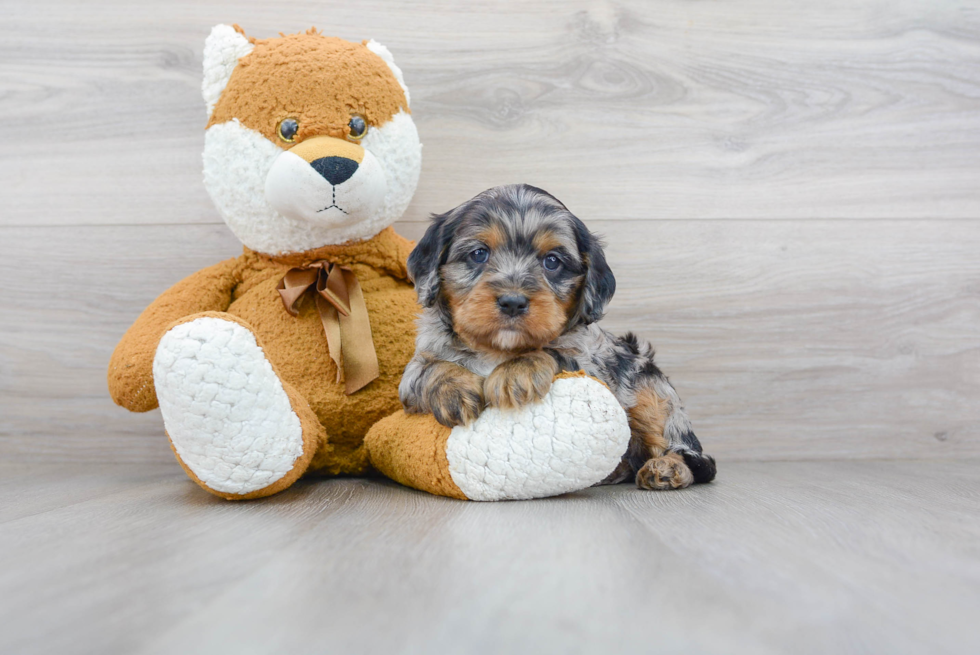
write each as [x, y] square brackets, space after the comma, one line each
[327, 181]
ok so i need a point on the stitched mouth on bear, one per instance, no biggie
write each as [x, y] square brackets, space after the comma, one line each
[333, 201]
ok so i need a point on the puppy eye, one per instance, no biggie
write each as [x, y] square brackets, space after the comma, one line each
[287, 129]
[480, 255]
[358, 127]
[552, 263]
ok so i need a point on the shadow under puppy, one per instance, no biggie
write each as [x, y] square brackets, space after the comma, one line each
[512, 284]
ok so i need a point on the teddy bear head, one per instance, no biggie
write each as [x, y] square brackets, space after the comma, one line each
[310, 140]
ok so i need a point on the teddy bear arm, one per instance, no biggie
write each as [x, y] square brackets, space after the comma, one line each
[130, 374]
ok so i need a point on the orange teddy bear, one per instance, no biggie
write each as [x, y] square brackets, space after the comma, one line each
[286, 359]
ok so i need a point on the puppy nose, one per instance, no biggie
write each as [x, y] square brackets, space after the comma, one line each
[334, 169]
[512, 305]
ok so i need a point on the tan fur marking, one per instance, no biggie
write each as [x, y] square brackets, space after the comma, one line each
[476, 316]
[519, 381]
[325, 146]
[545, 241]
[667, 472]
[647, 419]
[494, 236]
[546, 318]
[301, 76]
[570, 304]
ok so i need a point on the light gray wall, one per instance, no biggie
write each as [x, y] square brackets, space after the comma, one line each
[790, 192]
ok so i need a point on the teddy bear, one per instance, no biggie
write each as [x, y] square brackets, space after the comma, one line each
[285, 360]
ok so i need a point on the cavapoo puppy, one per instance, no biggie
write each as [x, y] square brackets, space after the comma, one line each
[512, 284]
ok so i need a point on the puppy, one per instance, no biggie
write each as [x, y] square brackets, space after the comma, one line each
[512, 284]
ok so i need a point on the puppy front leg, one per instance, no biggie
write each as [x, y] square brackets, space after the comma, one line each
[520, 381]
[451, 393]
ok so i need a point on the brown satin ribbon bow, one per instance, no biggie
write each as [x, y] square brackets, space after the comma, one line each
[340, 303]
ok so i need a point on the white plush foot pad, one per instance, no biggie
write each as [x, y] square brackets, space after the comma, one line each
[225, 410]
[571, 440]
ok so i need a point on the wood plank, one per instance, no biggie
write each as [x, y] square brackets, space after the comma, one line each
[875, 556]
[747, 109]
[787, 339]
[29, 489]
[803, 557]
[125, 565]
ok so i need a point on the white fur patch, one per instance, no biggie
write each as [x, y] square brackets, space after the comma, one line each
[571, 440]
[396, 146]
[222, 50]
[223, 406]
[237, 163]
[389, 59]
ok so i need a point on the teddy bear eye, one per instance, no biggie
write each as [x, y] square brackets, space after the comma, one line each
[480, 255]
[287, 129]
[358, 127]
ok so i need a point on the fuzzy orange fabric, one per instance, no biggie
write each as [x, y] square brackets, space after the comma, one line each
[411, 450]
[245, 290]
[131, 365]
[329, 79]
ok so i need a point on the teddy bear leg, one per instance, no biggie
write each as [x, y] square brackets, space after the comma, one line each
[235, 427]
[574, 438]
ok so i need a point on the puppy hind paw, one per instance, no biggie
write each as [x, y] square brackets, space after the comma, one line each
[666, 472]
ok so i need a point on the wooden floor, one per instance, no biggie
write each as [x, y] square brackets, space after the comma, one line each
[780, 557]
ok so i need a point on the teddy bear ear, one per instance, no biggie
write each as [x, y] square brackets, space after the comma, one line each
[385, 54]
[222, 50]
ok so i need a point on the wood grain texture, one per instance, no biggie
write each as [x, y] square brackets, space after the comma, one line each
[831, 311]
[669, 109]
[786, 339]
[802, 557]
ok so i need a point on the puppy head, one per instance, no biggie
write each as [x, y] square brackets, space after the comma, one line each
[511, 269]
[310, 139]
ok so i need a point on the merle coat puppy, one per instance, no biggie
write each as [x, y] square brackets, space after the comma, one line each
[512, 285]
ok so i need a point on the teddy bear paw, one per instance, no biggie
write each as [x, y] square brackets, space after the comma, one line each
[228, 417]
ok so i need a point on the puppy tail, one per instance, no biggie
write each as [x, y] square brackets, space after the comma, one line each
[702, 466]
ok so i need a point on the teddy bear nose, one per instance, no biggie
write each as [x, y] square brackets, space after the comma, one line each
[334, 170]
[513, 305]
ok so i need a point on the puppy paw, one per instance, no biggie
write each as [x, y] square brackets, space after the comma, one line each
[666, 472]
[520, 381]
[456, 396]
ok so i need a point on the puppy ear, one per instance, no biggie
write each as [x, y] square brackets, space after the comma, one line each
[425, 259]
[600, 283]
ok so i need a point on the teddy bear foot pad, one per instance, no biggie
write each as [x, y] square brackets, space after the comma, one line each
[228, 416]
[571, 440]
